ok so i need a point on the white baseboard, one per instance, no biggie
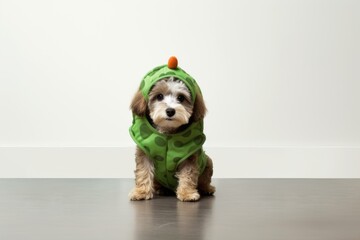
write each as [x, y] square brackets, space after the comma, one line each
[229, 162]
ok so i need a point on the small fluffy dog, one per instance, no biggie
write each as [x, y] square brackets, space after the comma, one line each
[168, 111]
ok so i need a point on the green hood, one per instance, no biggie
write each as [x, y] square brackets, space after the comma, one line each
[163, 72]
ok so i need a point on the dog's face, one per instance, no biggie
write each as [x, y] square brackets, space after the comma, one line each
[170, 105]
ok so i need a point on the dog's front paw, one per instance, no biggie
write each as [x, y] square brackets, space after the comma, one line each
[139, 194]
[185, 196]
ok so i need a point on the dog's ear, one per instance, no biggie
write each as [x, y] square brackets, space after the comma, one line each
[138, 105]
[199, 110]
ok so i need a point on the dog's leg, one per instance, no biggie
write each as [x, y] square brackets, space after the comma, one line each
[188, 175]
[204, 185]
[144, 177]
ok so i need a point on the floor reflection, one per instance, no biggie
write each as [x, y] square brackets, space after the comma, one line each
[166, 218]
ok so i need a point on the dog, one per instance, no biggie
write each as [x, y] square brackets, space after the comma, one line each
[168, 111]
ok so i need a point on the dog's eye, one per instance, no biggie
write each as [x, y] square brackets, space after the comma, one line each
[181, 98]
[160, 97]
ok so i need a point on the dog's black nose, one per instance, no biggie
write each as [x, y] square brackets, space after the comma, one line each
[170, 112]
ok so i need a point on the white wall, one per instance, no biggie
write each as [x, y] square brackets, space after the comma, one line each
[275, 74]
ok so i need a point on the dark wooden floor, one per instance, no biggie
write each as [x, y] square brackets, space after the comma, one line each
[241, 209]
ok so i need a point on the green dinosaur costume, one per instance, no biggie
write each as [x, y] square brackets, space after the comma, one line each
[168, 150]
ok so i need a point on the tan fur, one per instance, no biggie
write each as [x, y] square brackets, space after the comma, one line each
[204, 186]
[188, 175]
[190, 183]
[138, 105]
[199, 110]
[144, 177]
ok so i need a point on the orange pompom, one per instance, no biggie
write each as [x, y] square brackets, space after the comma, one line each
[172, 63]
